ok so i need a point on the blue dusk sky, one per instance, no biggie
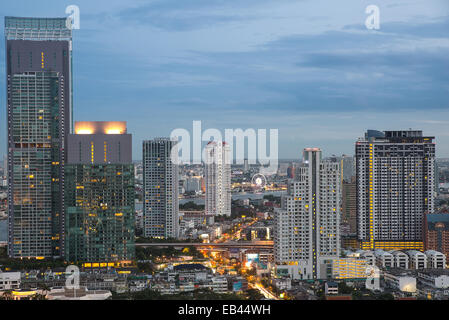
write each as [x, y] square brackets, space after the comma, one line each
[309, 68]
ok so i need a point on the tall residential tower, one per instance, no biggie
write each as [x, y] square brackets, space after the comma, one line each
[395, 188]
[160, 188]
[218, 179]
[39, 111]
[307, 226]
[99, 194]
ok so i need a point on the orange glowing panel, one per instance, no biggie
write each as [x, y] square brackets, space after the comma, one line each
[84, 131]
[100, 127]
[113, 131]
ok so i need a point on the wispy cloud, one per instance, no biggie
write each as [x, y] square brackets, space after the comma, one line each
[309, 68]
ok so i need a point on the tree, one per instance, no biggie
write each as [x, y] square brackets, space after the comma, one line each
[7, 295]
[145, 267]
[343, 288]
[191, 206]
[265, 282]
[272, 198]
[44, 287]
[3, 253]
[320, 294]
[357, 295]
[385, 296]
[253, 294]
[200, 294]
[38, 296]
[252, 272]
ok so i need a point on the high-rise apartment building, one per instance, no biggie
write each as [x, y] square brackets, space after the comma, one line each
[218, 179]
[39, 111]
[307, 226]
[99, 194]
[5, 166]
[160, 187]
[395, 188]
[347, 168]
[291, 171]
[193, 184]
[245, 165]
[349, 206]
[436, 232]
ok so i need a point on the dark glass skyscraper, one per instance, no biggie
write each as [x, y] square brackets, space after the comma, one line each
[160, 187]
[99, 194]
[39, 111]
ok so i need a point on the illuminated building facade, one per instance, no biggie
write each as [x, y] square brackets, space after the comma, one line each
[307, 227]
[160, 187]
[39, 111]
[349, 268]
[395, 188]
[218, 179]
[99, 197]
[349, 241]
[436, 232]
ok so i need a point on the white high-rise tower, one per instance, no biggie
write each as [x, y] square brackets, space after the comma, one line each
[306, 231]
[218, 178]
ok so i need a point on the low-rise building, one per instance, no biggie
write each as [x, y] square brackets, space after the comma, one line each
[9, 280]
[191, 272]
[410, 259]
[187, 278]
[435, 259]
[435, 278]
[330, 288]
[282, 283]
[349, 268]
[401, 259]
[384, 259]
[418, 260]
[138, 283]
[368, 256]
[62, 293]
[238, 283]
[20, 294]
[218, 284]
[400, 280]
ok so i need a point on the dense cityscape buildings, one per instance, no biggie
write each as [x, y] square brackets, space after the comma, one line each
[99, 193]
[307, 227]
[39, 107]
[395, 188]
[218, 178]
[316, 228]
[160, 188]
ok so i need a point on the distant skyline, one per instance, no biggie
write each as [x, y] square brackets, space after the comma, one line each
[309, 68]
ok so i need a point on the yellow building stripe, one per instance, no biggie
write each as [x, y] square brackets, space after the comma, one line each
[370, 169]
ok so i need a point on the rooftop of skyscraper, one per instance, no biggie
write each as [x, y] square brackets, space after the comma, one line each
[100, 127]
[396, 136]
[26, 28]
